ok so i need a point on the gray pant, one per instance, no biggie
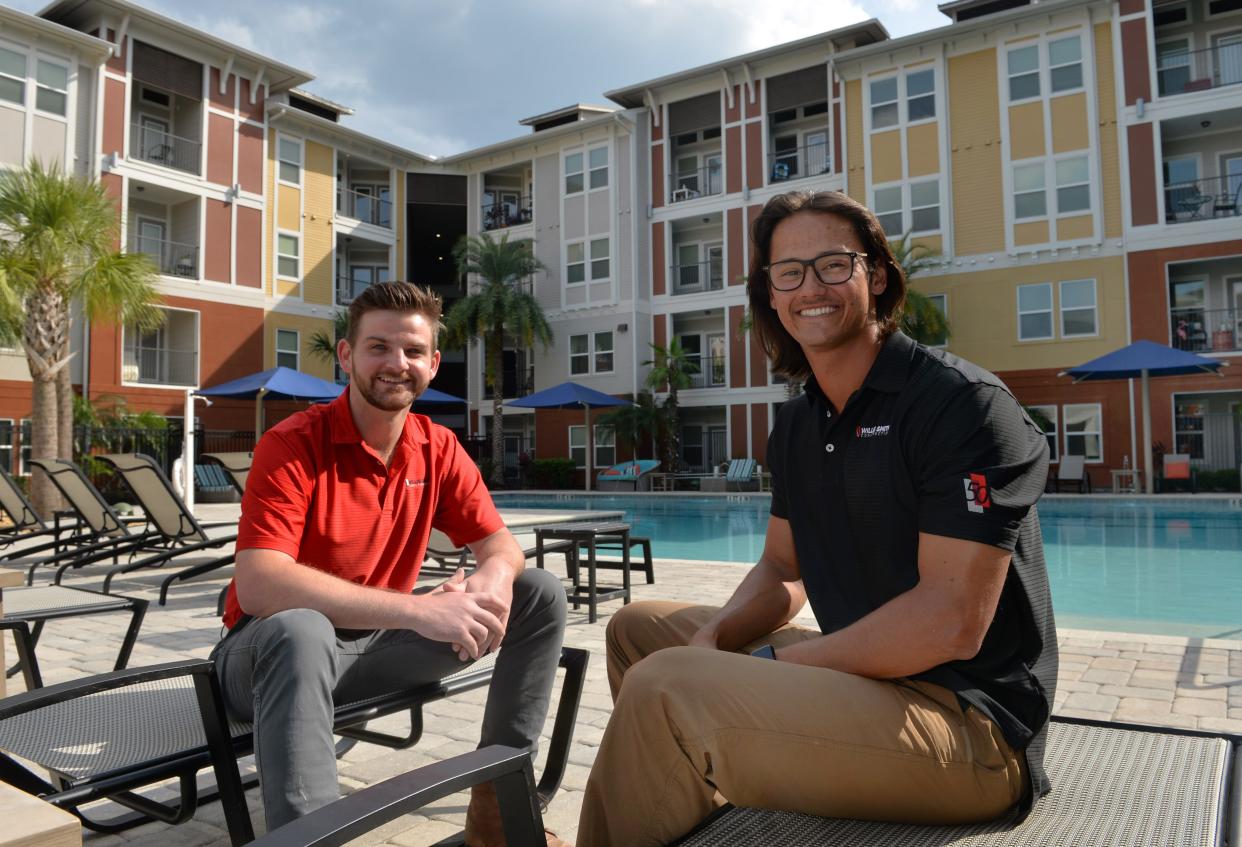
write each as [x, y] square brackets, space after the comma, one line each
[285, 672]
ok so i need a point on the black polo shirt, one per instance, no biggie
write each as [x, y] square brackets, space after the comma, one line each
[929, 443]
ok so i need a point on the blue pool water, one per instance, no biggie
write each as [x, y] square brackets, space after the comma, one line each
[1157, 566]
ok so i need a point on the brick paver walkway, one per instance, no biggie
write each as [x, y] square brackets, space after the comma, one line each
[1147, 679]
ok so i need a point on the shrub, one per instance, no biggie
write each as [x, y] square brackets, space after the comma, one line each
[1222, 480]
[552, 473]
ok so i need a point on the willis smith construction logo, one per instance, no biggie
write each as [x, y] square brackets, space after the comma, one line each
[871, 431]
[977, 496]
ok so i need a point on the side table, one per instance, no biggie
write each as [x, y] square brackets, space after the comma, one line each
[1127, 481]
[587, 534]
[8, 579]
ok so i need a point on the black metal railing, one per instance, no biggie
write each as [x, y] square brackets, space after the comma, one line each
[700, 276]
[365, 207]
[1211, 440]
[154, 145]
[515, 382]
[700, 182]
[1199, 70]
[1203, 199]
[159, 366]
[171, 257]
[347, 288]
[711, 372]
[506, 213]
[799, 162]
[1206, 329]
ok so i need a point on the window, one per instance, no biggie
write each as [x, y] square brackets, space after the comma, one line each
[52, 89]
[1046, 418]
[1029, 198]
[605, 447]
[1065, 64]
[884, 103]
[591, 353]
[598, 162]
[1084, 431]
[1188, 429]
[941, 304]
[287, 256]
[887, 208]
[289, 152]
[599, 258]
[1024, 72]
[925, 206]
[287, 348]
[1078, 308]
[921, 95]
[27, 434]
[1035, 311]
[575, 263]
[1073, 186]
[573, 173]
[577, 445]
[6, 444]
[12, 76]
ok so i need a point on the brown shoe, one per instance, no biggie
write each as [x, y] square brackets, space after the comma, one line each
[483, 827]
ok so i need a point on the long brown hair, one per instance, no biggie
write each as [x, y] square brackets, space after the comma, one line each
[786, 354]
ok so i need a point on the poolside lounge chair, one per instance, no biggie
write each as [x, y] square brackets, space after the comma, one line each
[1177, 467]
[1072, 471]
[236, 465]
[740, 475]
[449, 557]
[212, 485]
[1113, 784]
[627, 476]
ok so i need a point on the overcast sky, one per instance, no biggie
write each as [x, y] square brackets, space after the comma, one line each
[443, 76]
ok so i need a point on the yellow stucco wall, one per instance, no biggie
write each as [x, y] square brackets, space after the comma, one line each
[1080, 226]
[983, 313]
[1069, 123]
[1032, 232]
[856, 181]
[289, 208]
[305, 327]
[975, 148]
[923, 149]
[1106, 110]
[1026, 130]
[320, 180]
[885, 156]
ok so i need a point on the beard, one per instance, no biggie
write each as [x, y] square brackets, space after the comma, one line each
[386, 397]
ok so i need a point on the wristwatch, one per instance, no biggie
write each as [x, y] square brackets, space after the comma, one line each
[767, 651]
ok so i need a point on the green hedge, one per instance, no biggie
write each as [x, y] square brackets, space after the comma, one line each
[552, 473]
[1222, 480]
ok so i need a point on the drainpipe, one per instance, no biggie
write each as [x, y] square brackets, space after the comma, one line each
[632, 128]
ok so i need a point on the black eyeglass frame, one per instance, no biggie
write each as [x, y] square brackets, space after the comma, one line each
[810, 263]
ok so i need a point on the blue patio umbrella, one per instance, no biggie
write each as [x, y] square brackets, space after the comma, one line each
[1143, 360]
[431, 397]
[279, 382]
[571, 395]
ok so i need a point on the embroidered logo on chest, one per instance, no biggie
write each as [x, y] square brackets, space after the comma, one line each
[872, 431]
[414, 483]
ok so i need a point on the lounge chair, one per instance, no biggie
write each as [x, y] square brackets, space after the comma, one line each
[627, 476]
[212, 485]
[1072, 471]
[741, 474]
[1113, 784]
[449, 557]
[236, 465]
[1176, 467]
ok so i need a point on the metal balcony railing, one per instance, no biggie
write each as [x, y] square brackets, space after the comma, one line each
[799, 162]
[700, 182]
[700, 276]
[1199, 70]
[711, 371]
[347, 288]
[159, 366]
[506, 213]
[171, 257]
[1206, 329]
[1203, 199]
[364, 207]
[162, 148]
[515, 382]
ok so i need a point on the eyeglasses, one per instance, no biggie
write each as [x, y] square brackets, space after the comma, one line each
[830, 269]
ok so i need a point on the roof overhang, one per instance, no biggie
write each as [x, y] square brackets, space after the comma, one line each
[88, 44]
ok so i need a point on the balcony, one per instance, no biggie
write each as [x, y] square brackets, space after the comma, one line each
[515, 382]
[1206, 330]
[506, 211]
[159, 366]
[798, 162]
[171, 257]
[711, 371]
[1186, 71]
[349, 287]
[689, 183]
[1203, 199]
[369, 206]
[699, 276]
[149, 143]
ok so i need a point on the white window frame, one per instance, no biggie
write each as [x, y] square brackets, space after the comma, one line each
[295, 352]
[22, 80]
[905, 84]
[8, 448]
[597, 351]
[42, 86]
[944, 310]
[23, 454]
[1057, 92]
[895, 102]
[1094, 308]
[1041, 165]
[1037, 71]
[592, 259]
[882, 212]
[913, 208]
[580, 355]
[1054, 444]
[570, 262]
[297, 237]
[592, 170]
[1057, 186]
[592, 352]
[566, 173]
[605, 437]
[579, 450]
[1098, 412]
[1050, 311]
[281, 140]
[198, 352]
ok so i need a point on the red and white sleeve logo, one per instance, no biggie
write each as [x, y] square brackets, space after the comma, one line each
[977, 496]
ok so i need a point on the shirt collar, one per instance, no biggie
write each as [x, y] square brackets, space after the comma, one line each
[888, 372]
[345, 431]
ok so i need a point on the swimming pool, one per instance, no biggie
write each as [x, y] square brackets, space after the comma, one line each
[1163, 566]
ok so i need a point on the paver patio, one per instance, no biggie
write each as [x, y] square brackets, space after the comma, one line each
[1164, 680]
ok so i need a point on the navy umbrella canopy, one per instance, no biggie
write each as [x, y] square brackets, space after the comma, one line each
[431, 397]
[281, 383]
[1143, 360]
[571, 395]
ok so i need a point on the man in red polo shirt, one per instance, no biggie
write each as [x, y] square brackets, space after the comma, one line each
[339, 504]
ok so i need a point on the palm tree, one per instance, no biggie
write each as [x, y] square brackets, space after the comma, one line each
[673, 367]
[636, 425]
[498, 309]
[60, 249]
[920, 320]
[322, 346]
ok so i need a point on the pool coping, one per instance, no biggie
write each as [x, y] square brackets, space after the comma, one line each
[1231, 499]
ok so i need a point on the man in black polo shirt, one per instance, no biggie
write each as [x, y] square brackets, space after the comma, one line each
[903, 490]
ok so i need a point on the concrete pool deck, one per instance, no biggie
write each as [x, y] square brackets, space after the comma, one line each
[1153, 679]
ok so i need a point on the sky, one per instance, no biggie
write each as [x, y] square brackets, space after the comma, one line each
[443, 76]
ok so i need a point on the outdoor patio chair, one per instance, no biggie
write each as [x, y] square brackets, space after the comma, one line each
[627, 476]
[1176, 467]
[212, 484]
[1227, 204]
[449, 557]
[236, 465]
[741, 473]
[1072, 472]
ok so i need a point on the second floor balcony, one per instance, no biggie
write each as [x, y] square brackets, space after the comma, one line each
[791, 163]
[369, 206]
[692, 182]
[711, 371]
[172, 258]
[1185, 71]
[1203, 199]
[505, 212]
[692, 278]
[150, 142]
[1206, 330]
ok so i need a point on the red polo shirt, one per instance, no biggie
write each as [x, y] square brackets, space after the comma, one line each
[319, 493]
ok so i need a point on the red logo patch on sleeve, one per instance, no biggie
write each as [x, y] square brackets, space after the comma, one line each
[977, 496]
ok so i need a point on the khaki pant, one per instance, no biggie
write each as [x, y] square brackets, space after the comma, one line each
[694, 728]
